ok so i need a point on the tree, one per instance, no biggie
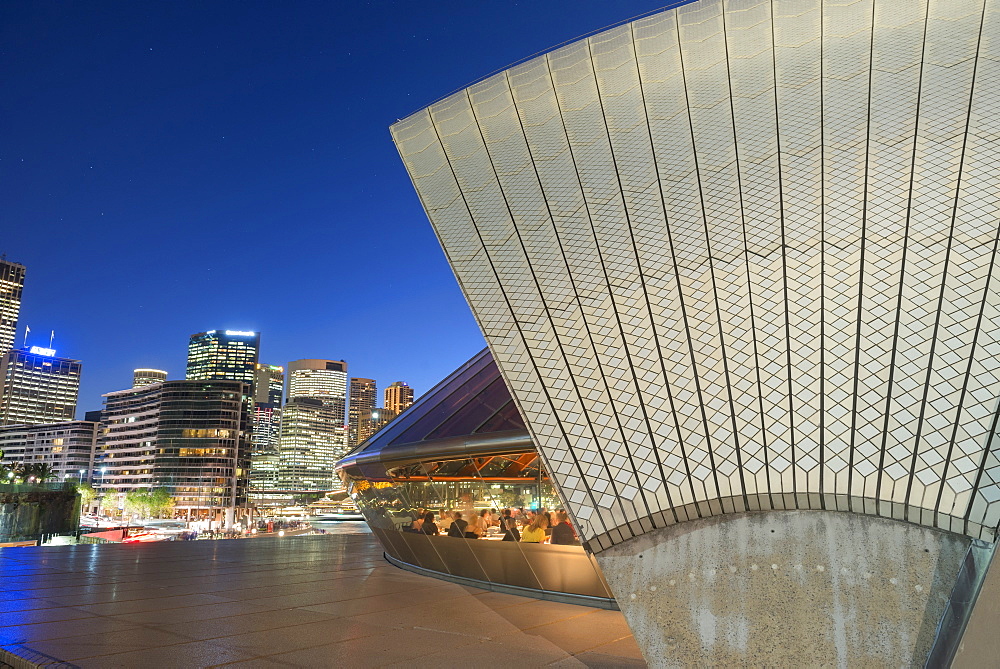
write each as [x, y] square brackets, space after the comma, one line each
[87, 494]
[146, 502]
[160, 501]
[41, 472]
[137, 501]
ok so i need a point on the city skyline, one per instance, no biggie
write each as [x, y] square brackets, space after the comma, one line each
[160, 133]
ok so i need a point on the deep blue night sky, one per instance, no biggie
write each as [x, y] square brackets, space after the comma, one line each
[173, 167]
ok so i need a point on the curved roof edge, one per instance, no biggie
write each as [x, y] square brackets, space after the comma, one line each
[519, 61]
[471, 400]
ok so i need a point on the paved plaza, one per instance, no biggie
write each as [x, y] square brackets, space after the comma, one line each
[315, 601]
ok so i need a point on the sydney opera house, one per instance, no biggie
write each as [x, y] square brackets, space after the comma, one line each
[734, 262]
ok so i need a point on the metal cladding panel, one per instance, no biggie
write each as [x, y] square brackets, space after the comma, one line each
[740, 255]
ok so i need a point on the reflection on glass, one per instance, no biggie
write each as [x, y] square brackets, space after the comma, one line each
[476, 492]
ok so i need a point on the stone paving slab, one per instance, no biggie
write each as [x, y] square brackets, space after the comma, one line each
[314, 601]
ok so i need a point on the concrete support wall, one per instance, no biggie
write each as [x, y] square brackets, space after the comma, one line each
[785, 588]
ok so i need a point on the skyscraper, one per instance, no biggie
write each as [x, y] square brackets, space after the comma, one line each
[398, 396]
[362, 403]
[264, 455]
[229, 355]
[312, 440]
[313, 437]
[11, 286]
[269, 384]
[38, 387]
[324, 380]
[144, 377]
[380, 417]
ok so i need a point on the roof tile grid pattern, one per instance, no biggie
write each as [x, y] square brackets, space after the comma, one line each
[740, 255]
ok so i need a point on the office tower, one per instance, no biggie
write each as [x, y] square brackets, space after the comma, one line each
[191, 437]
[38, 387]
[266, 421]
[362, 403]
[312, 423]
[324, 380]
[67, 448]
[312, 440]
[398, 396]
[264, 449]
[269, 384]
[380, 417]
[229, 355]
[143, 377]
[11, 287]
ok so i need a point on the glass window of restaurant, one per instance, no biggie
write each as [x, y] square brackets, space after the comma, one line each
[477, 491]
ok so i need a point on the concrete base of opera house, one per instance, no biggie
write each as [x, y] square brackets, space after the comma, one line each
[787, 588]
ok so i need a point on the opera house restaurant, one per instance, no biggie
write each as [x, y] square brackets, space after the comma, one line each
[463, 448]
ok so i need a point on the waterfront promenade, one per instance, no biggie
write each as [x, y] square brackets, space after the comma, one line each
[314, 601]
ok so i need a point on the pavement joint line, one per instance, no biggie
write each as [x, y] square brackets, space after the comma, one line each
[361, 579]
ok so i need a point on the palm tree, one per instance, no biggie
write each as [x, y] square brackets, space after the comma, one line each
[40, 472]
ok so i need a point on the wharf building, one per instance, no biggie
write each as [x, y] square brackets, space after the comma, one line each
[144, 377]
[11, 290]
[67, 448]
[266, 420]
[736, 262]
[38, 387]
[191, 437]
[363, 400]
[398, 397]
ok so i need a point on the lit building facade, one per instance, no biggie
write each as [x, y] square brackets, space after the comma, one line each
[144, 377]
[38, 387]
[11, 289]
[735, 262]
[224, 355]
[380, 417]
[266, 420]
[269, 384]
[312, 440]
[67, 448]
[363, 400]
[191, 437]
[324, 380]
[398, 397]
